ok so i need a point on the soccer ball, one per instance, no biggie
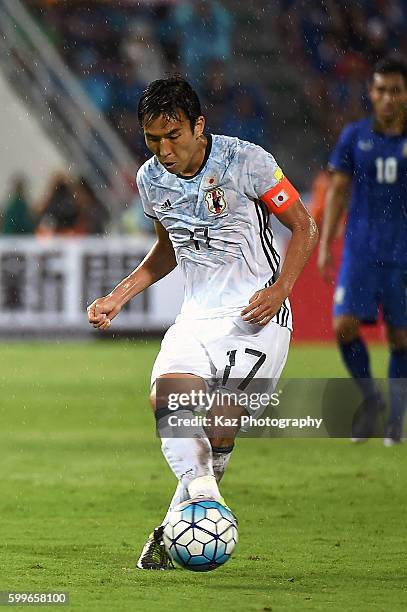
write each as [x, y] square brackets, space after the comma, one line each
[200, 534]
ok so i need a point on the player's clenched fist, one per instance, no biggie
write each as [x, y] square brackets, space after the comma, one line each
[102, 311]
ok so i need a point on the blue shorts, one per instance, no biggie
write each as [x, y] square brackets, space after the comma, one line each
[361, 288]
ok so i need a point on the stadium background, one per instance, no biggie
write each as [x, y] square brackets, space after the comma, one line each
[286, 74]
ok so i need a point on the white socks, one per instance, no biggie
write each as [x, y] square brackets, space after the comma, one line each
[189, 458]
[220, 462]
[205, 486]
[197, 468]
[181, 494]
[201, 485]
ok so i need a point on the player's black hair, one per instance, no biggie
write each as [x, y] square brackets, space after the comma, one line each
[167, 97]
[391, 64]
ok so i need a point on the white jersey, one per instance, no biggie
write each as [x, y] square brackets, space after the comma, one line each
[218, 226]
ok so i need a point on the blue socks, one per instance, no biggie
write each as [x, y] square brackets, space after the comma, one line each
[356, 359]
[397, 386]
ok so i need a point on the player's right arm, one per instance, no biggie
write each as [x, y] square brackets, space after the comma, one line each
[337, 199]
[342, 165]
[158, 262]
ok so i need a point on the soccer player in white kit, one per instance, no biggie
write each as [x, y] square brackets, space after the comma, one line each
[211, 198]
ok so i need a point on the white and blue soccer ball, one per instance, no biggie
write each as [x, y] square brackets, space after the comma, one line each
[200, 534]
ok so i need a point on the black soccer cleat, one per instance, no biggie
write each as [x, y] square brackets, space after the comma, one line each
[394, 435]
[365, 419]
[154, 556]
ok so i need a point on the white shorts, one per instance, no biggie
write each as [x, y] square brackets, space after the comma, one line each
[225, 350]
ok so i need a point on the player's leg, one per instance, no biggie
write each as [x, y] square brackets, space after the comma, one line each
[356, 358]
[221, 454]
[354, 352]
[394, 304]
[245, 352]
[222, 438]
[397, 339]
[180, 352]
[355, 300]
[249, 346]
[180, 495]
[190, 458]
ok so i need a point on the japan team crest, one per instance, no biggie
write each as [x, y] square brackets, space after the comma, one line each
[215, 201]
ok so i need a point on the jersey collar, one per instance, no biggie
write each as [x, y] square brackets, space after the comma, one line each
[205, 159]
[374, 129]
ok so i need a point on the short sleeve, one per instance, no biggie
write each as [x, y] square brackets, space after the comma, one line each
[342, 157]
[264, 180]
[148, 209]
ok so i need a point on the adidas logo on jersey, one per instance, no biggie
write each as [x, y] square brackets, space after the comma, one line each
[365, 145]
[166, 206]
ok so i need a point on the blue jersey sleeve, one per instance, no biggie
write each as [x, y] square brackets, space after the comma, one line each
[342, 157]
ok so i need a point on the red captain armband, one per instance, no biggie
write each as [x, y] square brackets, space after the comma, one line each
[280, 197]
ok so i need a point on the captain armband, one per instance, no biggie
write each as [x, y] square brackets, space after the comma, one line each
[280, 197]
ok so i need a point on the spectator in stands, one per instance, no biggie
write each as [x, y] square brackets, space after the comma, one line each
[91, 26]
[377, 39]
[246, 118]
[203, 30]
[217, 91]
[230, 109]
[124, 113]
[129, 89]
[137, 37]
[134, 221]
[18, 217]
[95, 79]
[93, 217]
[141, 49]
[339, 43]
[59, 213]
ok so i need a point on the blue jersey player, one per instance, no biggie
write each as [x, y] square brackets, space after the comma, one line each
[369, 164]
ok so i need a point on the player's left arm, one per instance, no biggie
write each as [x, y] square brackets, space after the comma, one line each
[265, 303]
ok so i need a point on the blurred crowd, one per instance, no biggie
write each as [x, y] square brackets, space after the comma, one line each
[335, 44]
[69, 208]
[116, 48]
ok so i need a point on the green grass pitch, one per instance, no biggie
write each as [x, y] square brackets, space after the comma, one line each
[322, 523]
